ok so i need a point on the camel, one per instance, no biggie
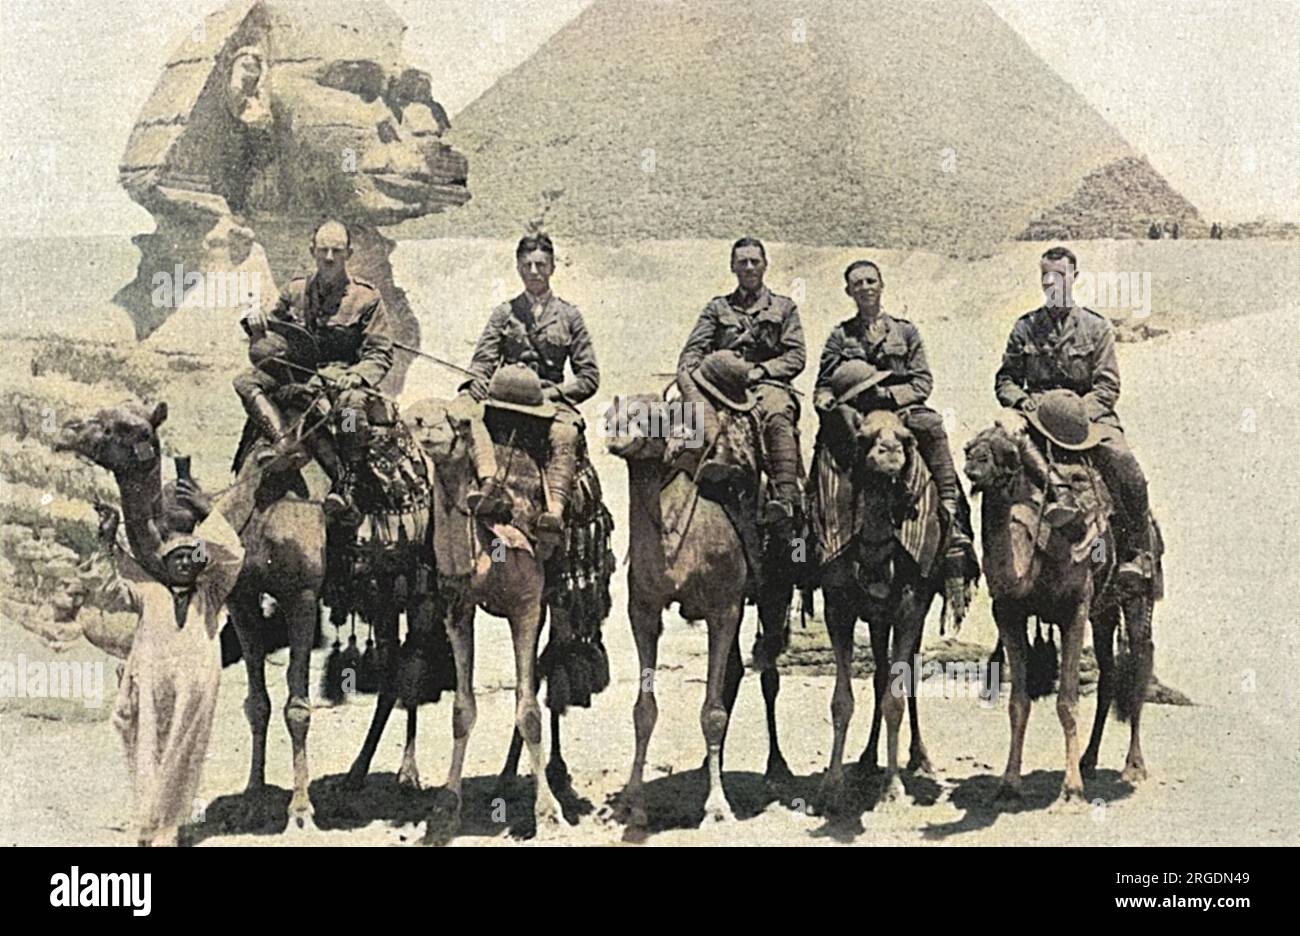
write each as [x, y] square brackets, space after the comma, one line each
[284, 544]
[1026, 581]
[506, 578]
[683, 548]
[898, 611]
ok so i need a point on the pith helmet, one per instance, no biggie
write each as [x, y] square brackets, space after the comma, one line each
[518, 388]
[1062, 416]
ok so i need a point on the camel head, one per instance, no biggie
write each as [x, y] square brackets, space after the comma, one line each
[636, 427]
[992, 459]
[123, 438]
[885, 442]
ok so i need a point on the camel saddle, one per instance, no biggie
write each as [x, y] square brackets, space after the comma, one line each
[1083, 485]
[848, 511]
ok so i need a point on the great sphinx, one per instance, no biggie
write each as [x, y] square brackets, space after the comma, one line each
[270, 115]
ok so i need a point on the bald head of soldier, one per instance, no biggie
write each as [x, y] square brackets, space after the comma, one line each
[331, 246]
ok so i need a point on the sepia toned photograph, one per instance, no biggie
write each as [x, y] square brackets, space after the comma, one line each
[649, 422]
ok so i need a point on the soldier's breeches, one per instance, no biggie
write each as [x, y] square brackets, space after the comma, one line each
[777, 412]
[562, 465]
[1124, 479]
[466, 416]
[932, 441]
[252, 382]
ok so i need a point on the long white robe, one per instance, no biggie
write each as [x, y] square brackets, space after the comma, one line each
[168, 693]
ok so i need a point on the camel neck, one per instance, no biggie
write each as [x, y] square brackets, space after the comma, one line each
[998, 549]
[645, 516]
[141, 493]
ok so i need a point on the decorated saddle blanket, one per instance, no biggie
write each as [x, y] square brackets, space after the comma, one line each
[847, 511]
[1082, 484]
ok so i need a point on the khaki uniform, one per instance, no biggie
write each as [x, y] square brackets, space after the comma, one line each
[894, 345]
[1074, 349]
[543, 334]
[351, 327]
[765, 330]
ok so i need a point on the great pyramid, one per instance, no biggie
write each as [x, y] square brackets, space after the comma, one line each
[893, 123]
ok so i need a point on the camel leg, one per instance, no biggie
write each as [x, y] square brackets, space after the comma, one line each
[1067, 700]
[918, 760]
[297, 711]
[775, 637]
[867, 761]
[557, 771]
[408, 775]
[903, 677]
[730, 692]
[724, 624]
[524, 629]
[647, 625]
[1013, 632]
[386, 649]
[1141, 648]
[246, 613]
[444, 818]
[839, 625]
[1103, 645]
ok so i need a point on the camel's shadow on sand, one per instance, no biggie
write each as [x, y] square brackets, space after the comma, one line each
[488, 808]
[1040, 791]
[677, 801]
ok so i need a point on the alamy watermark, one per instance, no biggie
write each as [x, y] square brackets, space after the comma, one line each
[52, 679]
[654, 419]
[180, 288]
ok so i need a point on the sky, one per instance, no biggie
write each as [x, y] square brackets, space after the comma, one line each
[1208, 89]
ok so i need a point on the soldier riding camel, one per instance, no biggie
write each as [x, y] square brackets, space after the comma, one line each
[751, 338]
[892, 345]
[539, 331]
[331, 326]
[1061, 345]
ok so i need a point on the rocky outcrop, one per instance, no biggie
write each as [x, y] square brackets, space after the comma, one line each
[269, 117]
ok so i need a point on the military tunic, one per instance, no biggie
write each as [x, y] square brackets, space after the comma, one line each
[542, 335]
[765, 331]
[1072, 349]
[889, 344]
[350, 325]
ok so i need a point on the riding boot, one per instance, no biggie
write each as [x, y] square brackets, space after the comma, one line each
[1133, 544]
[490, 502]
[269, 421]
[1123, 476]
[321, 445]
[932, 441]
[561, 468]
[783, 470]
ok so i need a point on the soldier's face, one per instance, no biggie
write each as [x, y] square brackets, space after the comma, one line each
[331, 252]
[1058, 282]
[535, 269]
[864, 287]
[749, 265]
